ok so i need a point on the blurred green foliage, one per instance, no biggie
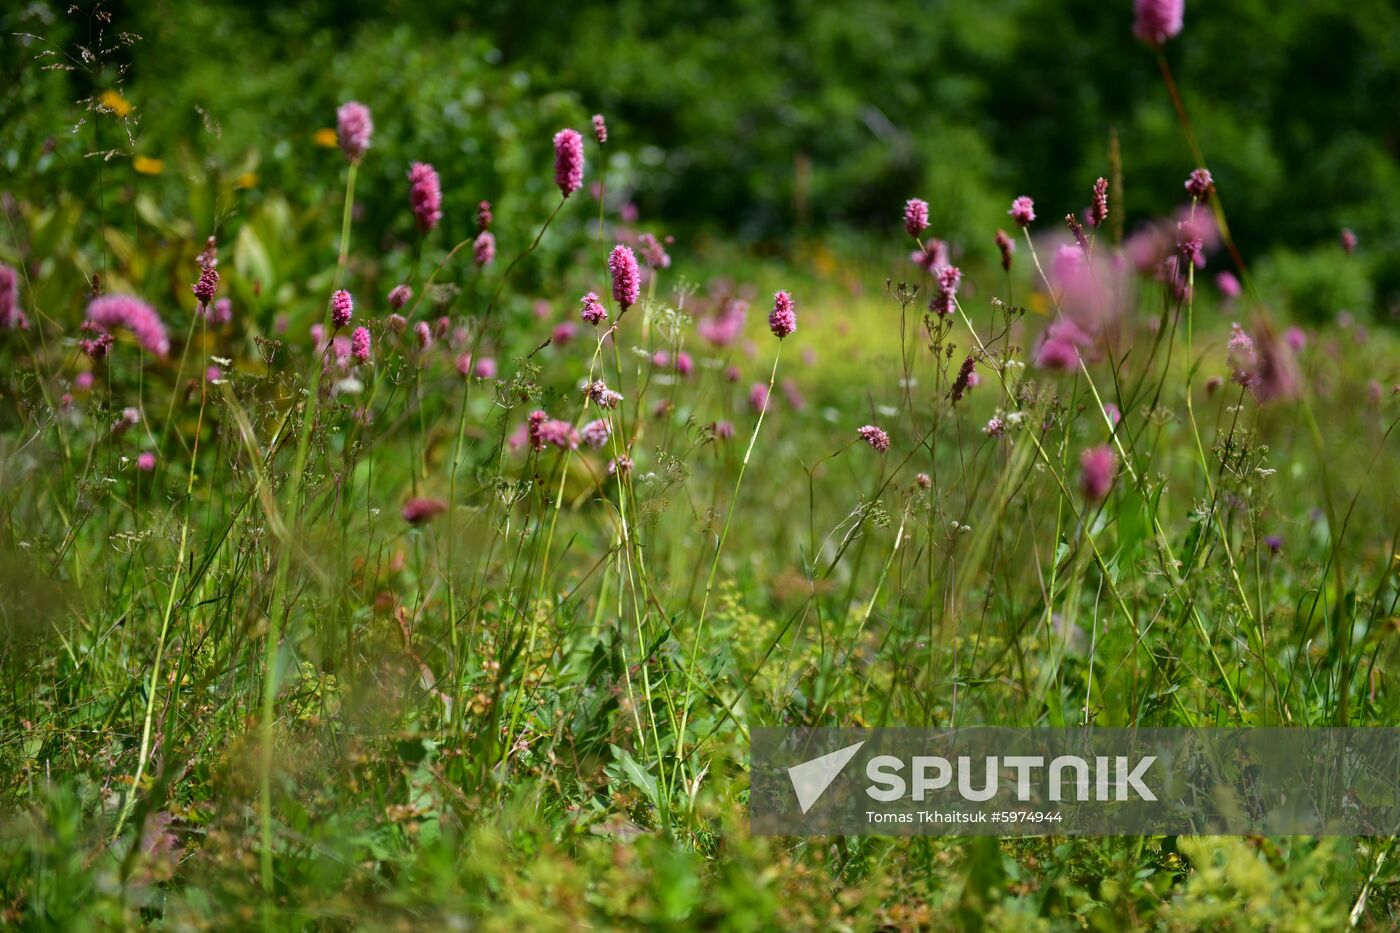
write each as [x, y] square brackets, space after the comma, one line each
[764, 119]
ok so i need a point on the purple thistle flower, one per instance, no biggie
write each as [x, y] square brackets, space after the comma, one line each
[1022, 211]
[600, 128]
[484, 216]
[353, 129]
[1274, 543]
[568, 161]
[112, 311]
[207, 285]
[1007, 247]
[1199, 184]
[359, 344]
[1156, 21]
[626, 277]
[915, 216]
[593, 311]
[418, 510]
[1348, 240]
[399, 296]
[782, 320]
[944, 300]
[213, 374]
[595, 433]
[342, 308]
[484, 248]
[11, 317]
[1096, 468]
[878, 440]
[425, 196]
[1098, 208]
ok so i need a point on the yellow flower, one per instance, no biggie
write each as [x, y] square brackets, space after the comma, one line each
[114, 102]
[246, 180]
[148, 166]
[326, 138]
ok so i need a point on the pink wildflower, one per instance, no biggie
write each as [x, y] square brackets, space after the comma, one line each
[1229, 285]
[654, 252]
[1097, 466]
[353, 129]
[1022, 211]
[1297, 339]
[782, 320]
[626, 278]
[220, 312]
[1007, 246]
[1156, 21]
[360, 345]
[484, 216]
[568, 161]
[399, 296]
[758, 396]
[146, 461]
[1098, 208]
[600, 128]
[1199, 184]
[484, 248]
[342, 308]
[593, 311]
[11, 317]
[564, 333]
[878, 440]
[112, 311]
[207, 285]
[595, 433]
[915, 216]
[945, 299]
[1348, 240]
[424, 333]
[418, 510]
[933, 255]
[425, 196]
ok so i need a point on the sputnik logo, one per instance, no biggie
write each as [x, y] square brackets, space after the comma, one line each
[811, 778]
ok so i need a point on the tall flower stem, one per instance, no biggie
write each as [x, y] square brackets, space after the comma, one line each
[275, 613]
[714, 567]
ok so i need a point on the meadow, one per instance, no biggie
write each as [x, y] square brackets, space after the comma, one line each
[427, 567]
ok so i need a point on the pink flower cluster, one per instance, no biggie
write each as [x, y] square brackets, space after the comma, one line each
[722, 329]
[600, 128]
[593, 311]
[1156, 21]
[342, 308]
[626, 277]
[944, 300]
[915, 216]
[878, 440]
[1096, 468]
[484, 248]
[782, 320]
[112, 311]
[11, 317]
[545, 431]
[568, 161]
[425, 196]
[1022, 211]
[353, 129]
